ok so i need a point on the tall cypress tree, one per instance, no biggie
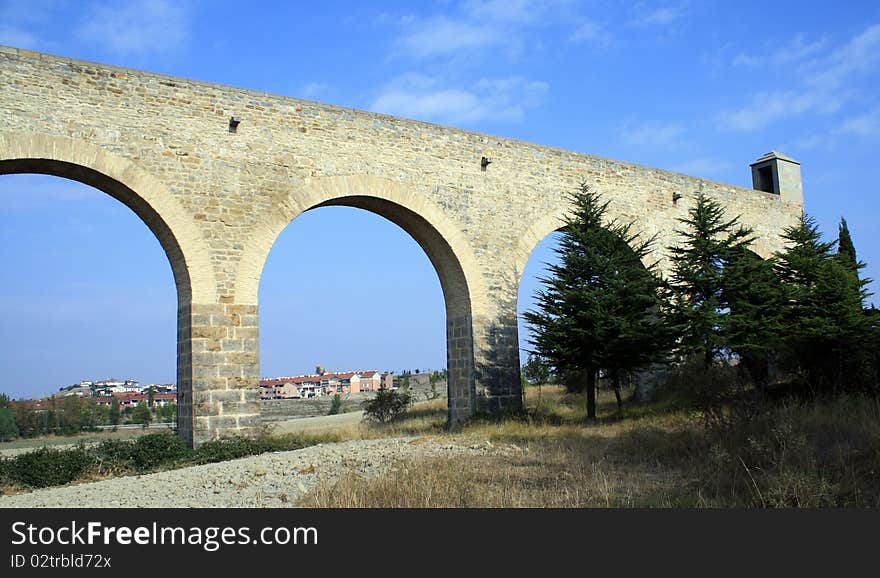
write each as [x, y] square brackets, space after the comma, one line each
[708, 242]
[846, 250]
[599, 306]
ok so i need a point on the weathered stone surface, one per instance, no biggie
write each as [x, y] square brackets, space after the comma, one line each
[217, 200]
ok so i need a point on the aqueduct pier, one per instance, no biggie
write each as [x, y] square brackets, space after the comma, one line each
[218, 172]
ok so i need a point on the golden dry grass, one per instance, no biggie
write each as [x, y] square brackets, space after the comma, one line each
[796, 455]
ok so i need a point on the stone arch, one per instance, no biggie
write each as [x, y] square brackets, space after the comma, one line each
[553, 221]
[120, 178]
[443, 243]
[132, 186]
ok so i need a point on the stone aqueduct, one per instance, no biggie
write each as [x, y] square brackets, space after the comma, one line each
[217, 173]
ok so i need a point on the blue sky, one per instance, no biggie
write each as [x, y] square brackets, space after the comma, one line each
[698, 88]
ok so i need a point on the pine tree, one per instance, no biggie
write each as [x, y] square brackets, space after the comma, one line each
[755, 300]
[599, 306]
[708, 242]
[826, 331]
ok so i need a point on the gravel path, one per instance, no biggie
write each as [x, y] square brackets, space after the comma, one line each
[274, 480]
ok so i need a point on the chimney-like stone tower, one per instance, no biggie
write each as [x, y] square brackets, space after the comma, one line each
[778, 174]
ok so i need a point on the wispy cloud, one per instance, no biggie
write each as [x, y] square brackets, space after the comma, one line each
[858, 56]
[135, 26]
[18, 37]
[824, 85]
[443, 36]
[590, 31]
[23, 22]
[28, 192]
[427, 98]
[865, 125]
[313, 90]
[651, 134]
[768, 107]
[712, 168]
[466, 27]
[512, 11]
[450, 51]
[650, 15]
[795, 52]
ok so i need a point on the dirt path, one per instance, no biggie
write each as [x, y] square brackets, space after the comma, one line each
[322, 423]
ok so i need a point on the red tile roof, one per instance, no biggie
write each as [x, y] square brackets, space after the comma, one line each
[314, 378]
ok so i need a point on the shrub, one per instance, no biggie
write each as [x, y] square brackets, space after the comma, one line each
[115, 455]
[141, 414]
[335, 405]
[154, 450]
[387, 405]
[230, 449]
[8, 427]
[48, 467]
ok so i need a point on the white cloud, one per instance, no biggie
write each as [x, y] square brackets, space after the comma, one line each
[313, 90]
[17, 37]
[479, 25]
[29, 192]
[443, 36]
[425, 98]
[825, 84]
[23, 22]
[651, 134]
[516, 11]
[712, 168]
[136, 26]
[768, 107]
[591, 32]
[858, 56]
[867, 125]
[794, 53]
[652, 16]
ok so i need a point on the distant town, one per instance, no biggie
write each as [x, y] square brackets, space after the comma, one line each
[323, 383]
[127, 392]
[130, 392]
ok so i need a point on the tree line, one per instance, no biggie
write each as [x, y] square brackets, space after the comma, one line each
[73, 414]
[796, 320]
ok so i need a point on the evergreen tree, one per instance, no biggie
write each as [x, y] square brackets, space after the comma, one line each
[755, 300]
[8, 428]
[141, 414]
[114, 411]
[536, 371]
[599, 306]
[335, 405]
[827, 334]
[708, 242]
[846, 251]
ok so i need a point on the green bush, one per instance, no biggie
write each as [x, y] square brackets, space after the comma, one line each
[48, 467]
[115, 455]
[335, 405]
[8, 427]
[233, 448]
[387, 405]
[157, 449]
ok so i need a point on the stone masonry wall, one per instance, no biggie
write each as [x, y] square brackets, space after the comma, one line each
[217, 200]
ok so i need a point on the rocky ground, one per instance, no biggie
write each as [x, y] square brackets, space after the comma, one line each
[268, 480]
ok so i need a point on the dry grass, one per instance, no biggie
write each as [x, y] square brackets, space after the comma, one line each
[817, 455]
